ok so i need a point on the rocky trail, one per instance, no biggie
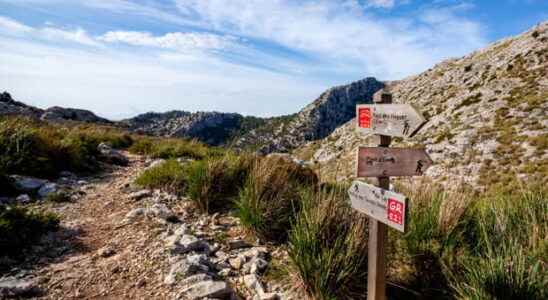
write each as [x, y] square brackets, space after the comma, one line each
[119, 242]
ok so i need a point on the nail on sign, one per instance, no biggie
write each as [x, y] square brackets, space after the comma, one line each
[383, 162]
[383, 205]
[400, 120]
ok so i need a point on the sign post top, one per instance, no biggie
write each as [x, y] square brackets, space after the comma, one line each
[382, 97]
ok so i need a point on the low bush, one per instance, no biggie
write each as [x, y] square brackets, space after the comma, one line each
[58, 197]
[169, 175]
[328, 247]
[20, 228]
[270, 198]
[213, 183]
[40, 149]
[170, 148]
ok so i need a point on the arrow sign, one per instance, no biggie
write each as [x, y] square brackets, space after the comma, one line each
[380, 204]
[400, 120]
[383, 162]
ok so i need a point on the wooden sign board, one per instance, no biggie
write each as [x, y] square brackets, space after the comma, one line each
[383, 162]
[385, 206]
[400, 120]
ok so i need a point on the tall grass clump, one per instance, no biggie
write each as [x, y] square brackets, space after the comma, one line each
[21, 227]
[508, 241]
[169, 175]
[430, 242]
[270, 198]
[169, 148]
[214, 182]
[328, 247]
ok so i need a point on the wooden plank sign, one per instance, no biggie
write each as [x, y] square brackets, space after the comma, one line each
[382, 162]
[385, 206]
[400, 120]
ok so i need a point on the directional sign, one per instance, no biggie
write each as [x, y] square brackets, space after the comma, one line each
[400, 120]
[382, 162]
[380, 204]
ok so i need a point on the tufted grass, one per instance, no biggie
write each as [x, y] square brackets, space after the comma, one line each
[213, 183]
[270, 198]
[328, 247]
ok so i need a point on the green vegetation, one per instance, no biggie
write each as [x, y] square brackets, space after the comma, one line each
[328, 247]
[35, 148]
[21, 227]
[170, 148]
[58, 197]
[168, 175]
[214, 183]
[271, 196]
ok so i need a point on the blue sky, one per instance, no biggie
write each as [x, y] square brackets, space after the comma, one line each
[124, 57]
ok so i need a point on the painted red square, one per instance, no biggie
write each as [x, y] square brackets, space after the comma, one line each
[364, 117]
[396, 211]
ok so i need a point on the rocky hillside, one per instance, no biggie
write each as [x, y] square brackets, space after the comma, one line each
[317, 120]
[214, 128]
[8, 106]
[487, 115]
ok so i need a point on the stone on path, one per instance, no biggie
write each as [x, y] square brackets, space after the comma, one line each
[207, 289]
[140, 195]
[11, 287]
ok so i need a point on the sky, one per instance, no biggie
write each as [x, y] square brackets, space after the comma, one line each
[120, 58]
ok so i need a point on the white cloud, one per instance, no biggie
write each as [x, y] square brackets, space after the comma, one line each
[11, 26]
[119, 84]
[78, 35]
[174, 41]
[381, 3]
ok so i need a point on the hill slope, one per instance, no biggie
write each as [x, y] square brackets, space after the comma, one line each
[317, 120]
[487, 115]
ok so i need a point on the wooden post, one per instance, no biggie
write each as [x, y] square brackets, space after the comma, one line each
[376, 276]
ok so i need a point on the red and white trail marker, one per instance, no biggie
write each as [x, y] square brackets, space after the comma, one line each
[400, 120]
[385, 206]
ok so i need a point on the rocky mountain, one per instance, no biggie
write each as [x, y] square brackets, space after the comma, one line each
[8, 106]
[214, 128]
[487, 116]
[317, 120]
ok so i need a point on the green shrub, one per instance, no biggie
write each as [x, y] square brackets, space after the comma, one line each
[506, 233]
[58, 197]
[213, 183]
[20, 228]
[508, 272]
[169, 175]
[40, 149]
[328, 247]
[169, 148]
[269, 200]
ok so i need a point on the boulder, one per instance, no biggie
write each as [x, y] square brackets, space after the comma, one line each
[23, 199]
[46, 189]
[11, 287]
[191, 265]
[27, 184]
[112, 156]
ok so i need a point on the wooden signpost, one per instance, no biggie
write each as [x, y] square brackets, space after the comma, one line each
[382, 161]
[383, 206]
[401, 120]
